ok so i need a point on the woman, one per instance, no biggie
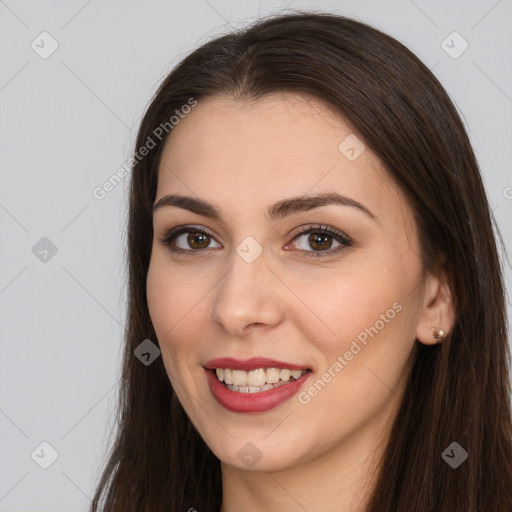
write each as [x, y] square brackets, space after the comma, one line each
[312, 251]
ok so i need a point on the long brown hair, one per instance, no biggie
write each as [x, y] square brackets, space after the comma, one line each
[458, 391]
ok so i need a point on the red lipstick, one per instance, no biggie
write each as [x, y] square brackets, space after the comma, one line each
[251, 364]
[252, 402]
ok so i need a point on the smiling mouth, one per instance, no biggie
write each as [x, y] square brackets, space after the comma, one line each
[257, 380]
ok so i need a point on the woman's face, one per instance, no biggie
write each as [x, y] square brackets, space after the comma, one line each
[346, 304]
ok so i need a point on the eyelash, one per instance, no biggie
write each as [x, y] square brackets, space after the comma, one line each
[340, 237]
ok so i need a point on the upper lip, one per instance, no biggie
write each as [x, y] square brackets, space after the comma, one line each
[251, 364]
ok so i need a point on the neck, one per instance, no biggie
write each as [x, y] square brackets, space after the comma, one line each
[340, 480]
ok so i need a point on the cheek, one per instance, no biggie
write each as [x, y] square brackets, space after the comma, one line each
[167, 294]
[363, 316]
[164, 309]
[157, 297]
[176, 304]
[340, 304]
[365, 350]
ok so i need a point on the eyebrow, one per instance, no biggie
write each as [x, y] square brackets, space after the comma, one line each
[276, 211]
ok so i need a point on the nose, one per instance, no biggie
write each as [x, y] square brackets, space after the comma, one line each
[246, 297]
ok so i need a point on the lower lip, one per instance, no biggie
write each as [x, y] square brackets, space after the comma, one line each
[253, 402]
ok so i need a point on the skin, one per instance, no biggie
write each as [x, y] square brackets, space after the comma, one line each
[243, 156]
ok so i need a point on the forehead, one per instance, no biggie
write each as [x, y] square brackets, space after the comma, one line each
[281, 145]
[279, 122]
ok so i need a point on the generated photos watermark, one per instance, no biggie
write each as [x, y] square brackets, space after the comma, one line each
[343, 360]
[100, 192]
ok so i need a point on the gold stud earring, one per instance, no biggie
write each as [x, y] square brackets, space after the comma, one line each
[438, 334]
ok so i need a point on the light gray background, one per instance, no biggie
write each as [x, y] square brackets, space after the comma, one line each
[67, 123]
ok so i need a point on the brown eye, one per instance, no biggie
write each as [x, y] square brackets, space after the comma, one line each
[320, 239]
[190, 240]
[186, 239]
[198, 240]
[320, 242]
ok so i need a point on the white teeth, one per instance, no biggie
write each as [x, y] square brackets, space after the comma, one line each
[284, 374]
[239, 378]
[257, 377]
[272, 375]
[257, 380]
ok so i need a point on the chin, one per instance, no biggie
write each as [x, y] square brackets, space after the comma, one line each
[258, 455]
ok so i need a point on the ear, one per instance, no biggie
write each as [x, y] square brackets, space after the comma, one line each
[438, 309]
